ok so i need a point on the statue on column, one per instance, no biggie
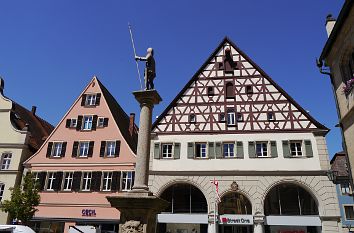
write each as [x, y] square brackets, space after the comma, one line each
[149, 73]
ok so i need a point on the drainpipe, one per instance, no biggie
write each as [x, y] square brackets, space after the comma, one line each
[326, 70]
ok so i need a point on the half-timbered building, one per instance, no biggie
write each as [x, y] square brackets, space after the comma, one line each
[235, 147]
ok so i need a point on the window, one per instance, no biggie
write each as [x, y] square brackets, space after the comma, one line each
[229, 150]
[2, 188]
[239, 117]
[210, 91]
[5, 161]
[270, 116]
[100, 122]
[127, 180]
[349, 212]
[35, 177]
[73, 123]
[230, 118]
[262, 149]
[229, 90]
[107, 181]
[68, 181]
[222, 117]
[50, 181]
[295, 148]
[200, 150]
[84, 149]
[87, 123]
[90, 100]
[86, 181]
[192, 118]
[345, 188]
[56, 149]
[249, 90]
[110, 148]
[167, 150]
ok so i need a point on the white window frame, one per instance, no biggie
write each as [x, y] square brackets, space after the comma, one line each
[345, 190]
[56, 149]
[127, 180]
[296, 152]
[168, 153]
[86, 181]
[35, 176]
[50, 181]
[264, 150]
[110, 150]
[231, 118]
[100, 122]
[87, 122]
[73, 123]
[85, 149]
[203, 150]
[68, 181]
[91, 99]
[2, 190]
[229, 153]
[107, 180]
[6, 161]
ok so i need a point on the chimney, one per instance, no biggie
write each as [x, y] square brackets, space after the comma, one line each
[330, 22]
[2, 85]
[131, 123]
[34, 109]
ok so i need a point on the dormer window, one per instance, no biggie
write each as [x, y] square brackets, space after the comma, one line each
[91, 100]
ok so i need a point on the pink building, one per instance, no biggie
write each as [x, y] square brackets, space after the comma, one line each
[89, 155]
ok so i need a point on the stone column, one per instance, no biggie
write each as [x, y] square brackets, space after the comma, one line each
[258, 221]
[139, 207]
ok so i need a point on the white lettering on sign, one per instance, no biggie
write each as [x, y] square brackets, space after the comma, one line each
[88, 213]
[236, 219]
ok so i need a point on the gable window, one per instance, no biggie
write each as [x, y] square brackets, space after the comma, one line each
[230, 117]
[127, 180]
[5, 161]
[200, 150]
[107, 181]
[239, 117]
[230, 91]
[57, 148]
[102, 122]
[222, 117]
[68, 181]
[228, 150]
[71, 123]
[2, 188]
[84, 149]
[50, 181]
[262, 149]
[86, 181]
[167, 150]
[270, 116]
[349, 212]
[192, 118]
[210, 91]
[249, 90]
[110, 148]
[91, 100]
[345, 188]
[296, 148]
[87, 123]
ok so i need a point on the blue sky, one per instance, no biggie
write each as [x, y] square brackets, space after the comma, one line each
[49, 50]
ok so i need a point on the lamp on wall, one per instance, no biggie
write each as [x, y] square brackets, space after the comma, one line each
[332, 175]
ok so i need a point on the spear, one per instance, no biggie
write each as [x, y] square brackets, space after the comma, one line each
[136, 62]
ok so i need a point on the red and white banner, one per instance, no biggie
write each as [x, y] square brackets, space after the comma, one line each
[216, 184]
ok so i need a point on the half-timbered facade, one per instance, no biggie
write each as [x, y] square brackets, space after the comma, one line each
[89, 155]
[233, 126]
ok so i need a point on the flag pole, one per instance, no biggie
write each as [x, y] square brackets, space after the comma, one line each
[136, 62]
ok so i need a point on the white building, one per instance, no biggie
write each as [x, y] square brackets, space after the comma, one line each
[232, 122]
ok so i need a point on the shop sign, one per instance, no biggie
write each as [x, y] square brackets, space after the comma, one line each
[88, 212]
[229, 219]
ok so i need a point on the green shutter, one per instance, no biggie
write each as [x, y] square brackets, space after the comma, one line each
[190, 154]
[239, 150]
[273, 149]
[251, 150]
[157, 150]
[286, 149]
[211, 151]
[218, 150]
[308, 148]
[177, 149]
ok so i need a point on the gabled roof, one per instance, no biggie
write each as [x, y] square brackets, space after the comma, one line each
[121, 118]
[39, 128]
[319, 126]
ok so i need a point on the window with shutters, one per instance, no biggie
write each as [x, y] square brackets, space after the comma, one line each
[167, 150]
[2, 188]
[262, 149]
[73, 123]
[127, 180]
[110, 148]
[84, 149]
[349, 212]
[5, 161]
[50, 181]
[296, 148]
[230, 117]
[200, 150]
[228, 150]
[107, 181]
[345, 188]
[86, 181]
[87, 120]
[57, 149]
[100, 122]
[90, 100]
[68, 181]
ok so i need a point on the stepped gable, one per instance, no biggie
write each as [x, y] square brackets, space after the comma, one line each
[230, 81]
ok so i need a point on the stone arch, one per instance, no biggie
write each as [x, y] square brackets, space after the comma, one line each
[301, 184]
[230, 191]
